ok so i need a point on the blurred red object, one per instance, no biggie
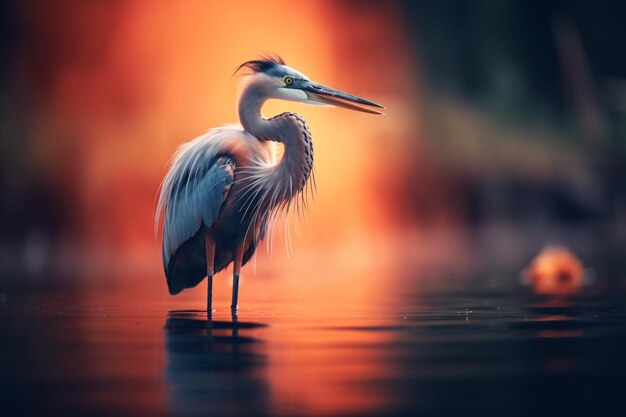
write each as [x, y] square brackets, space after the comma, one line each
[555, 271]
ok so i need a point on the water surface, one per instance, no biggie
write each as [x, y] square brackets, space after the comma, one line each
[450, 352]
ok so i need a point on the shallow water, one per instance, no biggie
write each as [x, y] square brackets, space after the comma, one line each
[450, 352]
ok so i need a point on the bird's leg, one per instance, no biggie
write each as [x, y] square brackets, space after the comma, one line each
[237, 260]
[210, 263]
[235, 332]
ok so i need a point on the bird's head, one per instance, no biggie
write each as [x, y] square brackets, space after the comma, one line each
[282, 82]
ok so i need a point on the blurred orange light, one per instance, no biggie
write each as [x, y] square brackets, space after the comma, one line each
[555, 271]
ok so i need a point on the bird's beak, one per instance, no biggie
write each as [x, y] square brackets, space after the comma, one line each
[326, 95]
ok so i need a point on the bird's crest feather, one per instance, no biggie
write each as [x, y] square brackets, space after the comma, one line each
[264, 64]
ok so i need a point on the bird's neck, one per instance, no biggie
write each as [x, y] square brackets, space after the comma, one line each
[290, 175]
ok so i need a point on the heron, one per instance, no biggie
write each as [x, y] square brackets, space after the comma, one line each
[223, 187]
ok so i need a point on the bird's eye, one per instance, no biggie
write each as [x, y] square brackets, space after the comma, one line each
[288, 80]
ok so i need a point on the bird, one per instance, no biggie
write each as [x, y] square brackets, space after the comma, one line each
[223, 187]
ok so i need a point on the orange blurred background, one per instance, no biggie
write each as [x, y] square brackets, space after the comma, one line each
[98, 95]
[111, 89]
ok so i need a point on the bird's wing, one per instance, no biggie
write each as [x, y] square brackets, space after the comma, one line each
[195, 197]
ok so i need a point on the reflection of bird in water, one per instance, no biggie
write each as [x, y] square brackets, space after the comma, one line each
[224, 186]
[555, 271]
[210, 366]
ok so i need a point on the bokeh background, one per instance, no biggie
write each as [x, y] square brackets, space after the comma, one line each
[504, 133]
